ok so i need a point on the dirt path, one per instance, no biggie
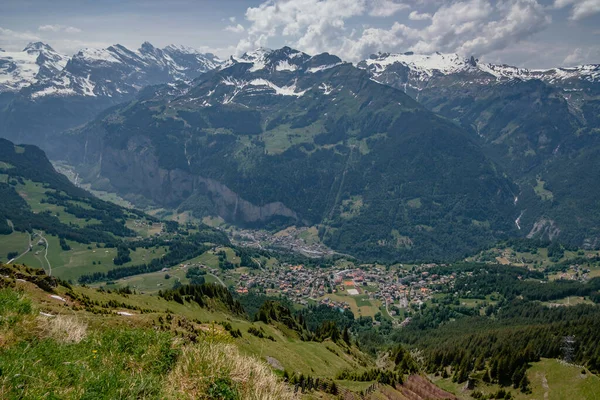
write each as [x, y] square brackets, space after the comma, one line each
[545, 386]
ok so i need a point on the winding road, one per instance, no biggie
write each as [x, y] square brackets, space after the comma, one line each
[46, 252]
[30, 246]
[22, 254]
[217, 278]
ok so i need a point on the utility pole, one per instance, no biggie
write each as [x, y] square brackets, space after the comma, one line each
[568, 349]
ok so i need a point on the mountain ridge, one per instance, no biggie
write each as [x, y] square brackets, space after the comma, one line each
[372, 167]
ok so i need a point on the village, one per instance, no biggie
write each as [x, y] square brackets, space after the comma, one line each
[364, 290]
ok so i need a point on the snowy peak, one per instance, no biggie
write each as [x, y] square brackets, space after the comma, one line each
[414, 70]
[285, 59]
[425, 65]
[322, 62]
[36, 63]
[265, 77]
[117, 71]
[38, 47]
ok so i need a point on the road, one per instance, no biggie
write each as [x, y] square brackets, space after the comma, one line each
[22, 254]
[217, 278]
[46, 253]
[29, 247]
[258, 262]
[388, 311]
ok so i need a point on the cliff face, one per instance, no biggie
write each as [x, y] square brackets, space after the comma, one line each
[134, 171]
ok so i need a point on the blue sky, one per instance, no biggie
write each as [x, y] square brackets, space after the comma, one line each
[531, 33]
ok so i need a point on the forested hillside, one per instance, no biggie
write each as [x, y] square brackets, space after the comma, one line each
[321, 144]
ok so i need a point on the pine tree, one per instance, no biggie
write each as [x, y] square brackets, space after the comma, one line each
[346, 336]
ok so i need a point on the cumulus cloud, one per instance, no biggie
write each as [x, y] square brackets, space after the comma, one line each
[235, 28]
[469, 27]
[315, 25]
[579, 8]
[385, 8]
[14, 40]
[58, 28]
[582, 56]
[476, 27]
[417, 16]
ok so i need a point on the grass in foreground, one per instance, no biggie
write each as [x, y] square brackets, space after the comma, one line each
[59, 356]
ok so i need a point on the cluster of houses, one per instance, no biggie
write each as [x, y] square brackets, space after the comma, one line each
[394, 287]
[575, 272]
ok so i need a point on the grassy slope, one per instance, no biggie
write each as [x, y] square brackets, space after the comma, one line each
[66, 356]
[82, 258]
[550, 379]
[317, 359]
[71, 264]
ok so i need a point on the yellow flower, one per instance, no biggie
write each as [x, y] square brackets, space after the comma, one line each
[94, 351]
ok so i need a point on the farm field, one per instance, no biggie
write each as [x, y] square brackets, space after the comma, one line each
[360, 305]
[154, 281]
[71, 264]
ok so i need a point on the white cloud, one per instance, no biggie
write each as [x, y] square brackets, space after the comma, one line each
[235, 28]
[582, 56]
[519, 20]
[314, 25]
[385, 8]
[232, 20]
[58, 28]
[416, 16]
[72, 29]
[15, 41]
[580, 8]
[469, 27]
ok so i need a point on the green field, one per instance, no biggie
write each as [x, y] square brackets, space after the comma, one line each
[550, 380]
[541, 191]
[154, 281]
[71, 264]
[34, 192]
[17, 241]
[359, 305]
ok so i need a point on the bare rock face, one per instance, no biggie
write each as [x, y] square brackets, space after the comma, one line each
[544, 228]
[135, 170]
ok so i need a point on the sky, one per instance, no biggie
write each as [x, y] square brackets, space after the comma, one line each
[527, 33]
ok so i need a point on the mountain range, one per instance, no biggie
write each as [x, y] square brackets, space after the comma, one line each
[402, 156]
[43, 92]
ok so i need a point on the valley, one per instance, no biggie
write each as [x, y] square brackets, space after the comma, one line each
[283, 225]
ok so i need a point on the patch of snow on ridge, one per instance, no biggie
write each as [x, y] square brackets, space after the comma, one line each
[257, 58]
[425, 63]
[97, 55]
[229, 81]
[323, 68]
[282, 91]
[286, 66]
[326, 88]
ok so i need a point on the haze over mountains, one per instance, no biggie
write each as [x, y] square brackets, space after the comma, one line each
[402, 156]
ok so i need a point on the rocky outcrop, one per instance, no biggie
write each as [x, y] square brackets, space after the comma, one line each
[134, 171]
[544, 228]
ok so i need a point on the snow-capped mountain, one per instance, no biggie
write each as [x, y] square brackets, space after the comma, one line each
[265, 76]
[285, 59]
[416, 71]
[117, 71]
[44, 93]
[35, 63]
